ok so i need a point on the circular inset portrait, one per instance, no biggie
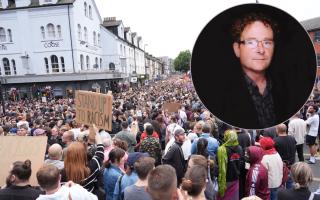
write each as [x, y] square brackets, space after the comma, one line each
[253, 66]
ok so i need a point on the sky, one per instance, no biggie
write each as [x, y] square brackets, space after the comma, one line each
[168, 27]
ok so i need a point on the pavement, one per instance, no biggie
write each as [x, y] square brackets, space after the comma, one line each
[315, 169]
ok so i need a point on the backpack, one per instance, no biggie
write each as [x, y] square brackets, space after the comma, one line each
[285, 173]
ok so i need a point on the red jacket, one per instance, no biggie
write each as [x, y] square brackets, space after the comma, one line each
[257, 176]
[144, 135]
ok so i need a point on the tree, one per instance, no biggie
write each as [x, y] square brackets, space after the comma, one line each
[182, 62]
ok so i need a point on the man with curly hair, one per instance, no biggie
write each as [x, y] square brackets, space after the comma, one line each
[254, 44]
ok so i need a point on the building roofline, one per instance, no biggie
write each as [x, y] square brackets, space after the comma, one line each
[38, 6]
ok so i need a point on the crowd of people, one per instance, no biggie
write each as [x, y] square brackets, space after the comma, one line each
[152, 153]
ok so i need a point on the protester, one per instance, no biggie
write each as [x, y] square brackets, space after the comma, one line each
[142, 167]
[151, 146]
[211, 181]
[257, 176]
[112, 171]
[302, 176]
[213, 144]
[55, 155]
[162, 183]
[125, 135]
[194, 182]
[17, 183]
[313, 125]
[285, 146]
[298, 129]
[130, 177]
[79, 169]
[48, 177]
[273, 163]
[175, 157]
[229, 155]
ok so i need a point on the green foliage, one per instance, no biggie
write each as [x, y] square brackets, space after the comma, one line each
[182, 62]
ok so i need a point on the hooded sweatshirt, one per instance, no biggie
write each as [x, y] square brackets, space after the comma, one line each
[75, 192]
[257, 176]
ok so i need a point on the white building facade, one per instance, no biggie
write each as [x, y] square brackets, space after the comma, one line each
[53, 42]
[65, 45]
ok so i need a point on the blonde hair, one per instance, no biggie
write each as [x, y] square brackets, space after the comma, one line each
[301, 174]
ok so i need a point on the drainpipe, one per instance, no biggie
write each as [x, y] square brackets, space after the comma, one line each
[71, 39]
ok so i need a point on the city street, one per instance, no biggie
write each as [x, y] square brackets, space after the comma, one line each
[315, 169]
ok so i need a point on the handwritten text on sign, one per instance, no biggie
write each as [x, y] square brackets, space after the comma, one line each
[94, 108]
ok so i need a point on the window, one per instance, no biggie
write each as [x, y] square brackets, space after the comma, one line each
[79, 32]
[0, 3]
[62, 64]
[318, 59]
[317, 36]
[43, 34]
[96, 65]
[90, 12]
[2, 35]
[100, 63]
[88, 62]
[6, 66]
[121, 49]
[10, 35]
[94, 38]
[59, 31]
[47, 65]
[54, 64]
[14, 67]
[81, 62]
[124, 50]
[85, 9]
[85, 34]
[51, 31]
[98, 39]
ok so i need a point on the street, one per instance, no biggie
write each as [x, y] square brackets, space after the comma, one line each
[315, 169]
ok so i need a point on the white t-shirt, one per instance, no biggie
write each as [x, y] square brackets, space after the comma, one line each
[313, 122]
[75, 192]
[298, 129]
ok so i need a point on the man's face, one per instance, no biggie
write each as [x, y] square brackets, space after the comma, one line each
[22, 132]
[310, 109]
[255, 59]
[180, 138]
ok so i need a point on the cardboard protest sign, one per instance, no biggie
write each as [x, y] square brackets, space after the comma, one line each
[171, 107]
[94, 108]
[21, 148]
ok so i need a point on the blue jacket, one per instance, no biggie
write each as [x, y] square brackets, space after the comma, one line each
[110, 177]
[126, 181]
[213, 144]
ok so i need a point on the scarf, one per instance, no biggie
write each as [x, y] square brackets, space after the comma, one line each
[231, 140]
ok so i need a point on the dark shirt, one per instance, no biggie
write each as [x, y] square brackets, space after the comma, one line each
[296, 194]
[175, 158]
[233, 164]
[262, 103]
[19, 193]
[286, 147]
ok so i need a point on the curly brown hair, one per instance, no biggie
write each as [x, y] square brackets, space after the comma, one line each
[240, 23]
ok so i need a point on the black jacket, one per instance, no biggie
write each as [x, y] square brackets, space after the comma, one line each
[175, 158]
